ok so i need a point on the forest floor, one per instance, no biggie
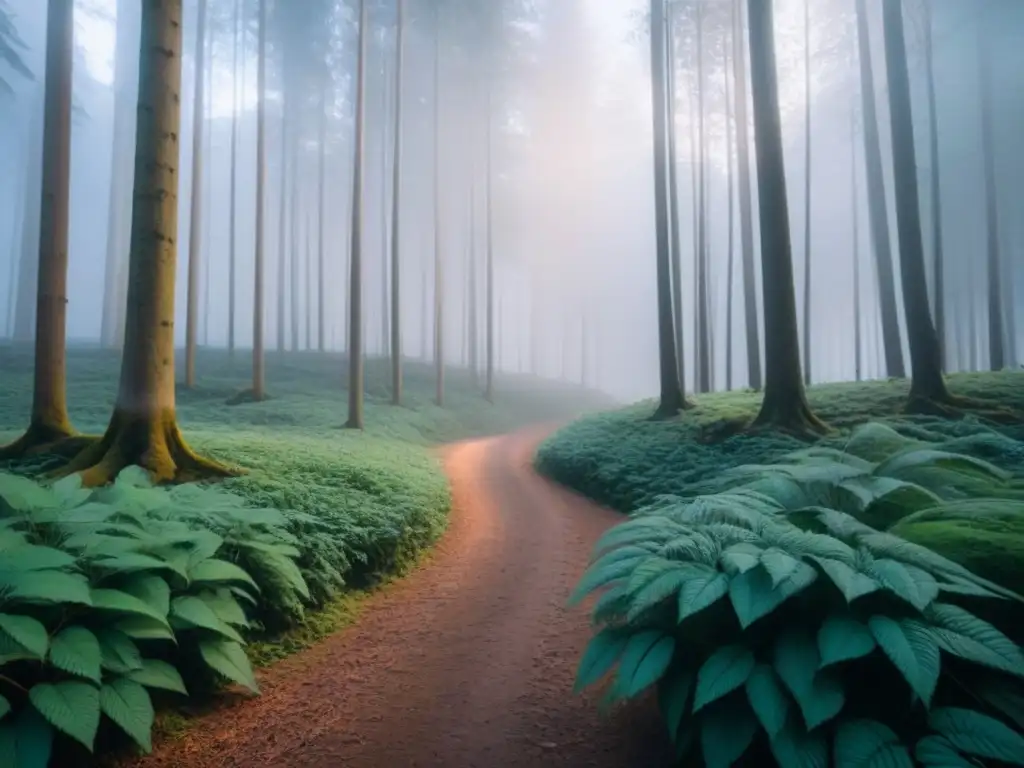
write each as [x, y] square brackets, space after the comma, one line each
[467, 663]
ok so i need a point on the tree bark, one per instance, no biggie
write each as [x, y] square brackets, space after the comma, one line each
[671, 399]
[926, 382]
[195, 230]
[49, 422]
[938, 260]
[143, 428]
[28, 260]
[785, 402]
[858, 344]
[282, 243]
[233, 194]
[730, 261]
[258, 356]
[488, 149]
[877, 212]
[396, 230]
[321, 222]
[355, 299]
[438, 257]
[676, 252]
[807, 193]
[703, 372]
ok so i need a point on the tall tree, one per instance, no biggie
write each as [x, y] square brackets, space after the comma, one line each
[259, 259]
[321, 221]
[807, 193]
[675, 250]
[703, 372]
[858, 344]
[195, 229]
[438, 257]
[785, 401]
[232, 197]
[396, 230]
[938, 259]
[671, 397]
[489, 220]
[730, 223]
[355, 284]
[927, 385]
[49, 422]
[143, 428]
[877, 210]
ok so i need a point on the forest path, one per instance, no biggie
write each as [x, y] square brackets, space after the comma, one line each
[468, 662]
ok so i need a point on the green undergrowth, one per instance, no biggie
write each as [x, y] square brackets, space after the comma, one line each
[624, 460]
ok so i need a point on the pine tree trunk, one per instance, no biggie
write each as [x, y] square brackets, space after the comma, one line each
[294, 277]
[996, 331]
[703, 372]
[676, 251]
[753, 334]
[396, 231]
[926, 382]
[938, 260]
[49, 421]
[807, 193]
[730, 261]
[283, 178]
[195, 229]
[259, 259]
[385, 284]
[28, 260]
[489, 220]
[877, 212]
[355, 300]
[855, 240]
[233, 194]
[143, 428]
[321, 222]
[438, 256]
[785, 402]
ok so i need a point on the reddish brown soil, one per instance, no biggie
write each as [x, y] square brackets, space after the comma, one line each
[467, 663]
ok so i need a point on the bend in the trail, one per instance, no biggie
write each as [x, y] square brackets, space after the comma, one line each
[469, 662]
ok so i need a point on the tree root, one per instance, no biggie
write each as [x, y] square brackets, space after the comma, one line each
[797, 421]
[956, 407]
[155, 444]
[246, 396]
[42, 438]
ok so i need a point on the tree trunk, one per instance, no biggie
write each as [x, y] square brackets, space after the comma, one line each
[259, 265]
[676, 251]
[746, 204]
[49, 421]
[143, 428]
[321, 196]
[195, 229]
[926, 382]
[294, 281]
[396, 231]
[281, 221]
[233, 194]
[472, 336]
[938, 260]
[28, 261]
[855, 240]
[385, 284]
[672, 399]
[877, 210]
[730, 261]
[807, 193]
[785, 402]
[703, 372]
[488, 170]
[207, 191]
[355, 300]
[996, 331]
[438, 257]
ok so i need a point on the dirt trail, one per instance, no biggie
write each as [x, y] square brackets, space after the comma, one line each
[467, 663]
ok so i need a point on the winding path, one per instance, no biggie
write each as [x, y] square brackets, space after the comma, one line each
[468, 663]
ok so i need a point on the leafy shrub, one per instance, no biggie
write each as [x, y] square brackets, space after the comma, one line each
[108, 593]
[849, 648]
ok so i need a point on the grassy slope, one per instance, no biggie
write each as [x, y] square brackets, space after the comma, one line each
[380, 495]
[623, 460]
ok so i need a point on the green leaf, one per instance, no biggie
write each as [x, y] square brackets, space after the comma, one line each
[228, 659]
[191, 611]
[768, 699]
[122, 602]
[963, 634]
[128, 704]
[753, 595]
[26, 741]
[977, 734]
[133, 562]
[937, 752]
[673, 700]
[76, 650]
[144, 628]
[152, 590]
[45, 587]
[224, 606]
[602, 652]
[659, 588]
[158, 674]
[700, 591]
[926, 651]
[1003, 695]
[599, 575]
[794, 747]
[71, 707]
[851, 583]
[214, 571]
[740, 558]
[842, 638]
[780, 565]
[119, 654]
[33, 557]
[724, 671]
[644, 659]
[818, 693]
[869, 744]
[916, 586]
[27, 632]
[726, 732]
[893, 641]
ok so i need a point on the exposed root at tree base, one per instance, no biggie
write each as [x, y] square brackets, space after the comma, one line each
[954, 407]
[41, 438]
[799, 422]
[155, 444]
[246, 396]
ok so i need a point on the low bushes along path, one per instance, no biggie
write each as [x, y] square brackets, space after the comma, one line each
[467, 663]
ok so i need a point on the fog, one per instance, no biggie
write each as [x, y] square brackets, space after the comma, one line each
[565, 87]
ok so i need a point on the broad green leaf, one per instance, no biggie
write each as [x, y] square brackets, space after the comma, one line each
[27, 632]
[118, 653]
[976, 734]
[753, 595]
[726, 732]
[45, 587]
[869, 744]
[144, 628]
[842, 638]
[152, 590]
[1002, 694]
[26, 741]
[937, 752]
[768, 699]
[701, 591]
[851, 583]
[599, 575]
[214, 571]
[819, 694]
[224, 606]
[33, 557]
[194, 612]
[158, 674]
[228, 659]
[128, 704]
[724, 671]
[644, 660]
[780, 565]
[926, 651]
[673, 700]
[602, 652]
[917, 587]
[76, 650]
[794, 747]
[70, 706]
[965, 635]
[893, 641]
[740, 558]
[122, 602]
